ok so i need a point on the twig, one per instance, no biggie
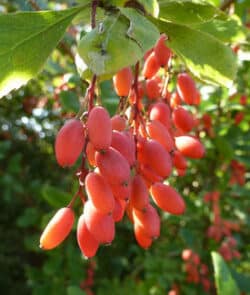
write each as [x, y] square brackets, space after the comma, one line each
[226, 4]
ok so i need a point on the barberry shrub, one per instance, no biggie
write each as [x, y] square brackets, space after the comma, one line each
[132, 165]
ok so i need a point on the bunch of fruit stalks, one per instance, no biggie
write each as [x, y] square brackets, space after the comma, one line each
[126, 159]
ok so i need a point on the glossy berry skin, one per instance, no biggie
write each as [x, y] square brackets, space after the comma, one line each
[118, 123]
[160, 112]
[142, 239]
[162, 52]
[57, 229]
[153, 89]
[149, 220]
[113, 166]
[166, 198]
[99, 128]
[157, 131]
[86, 241]
[186, 89]
[139, 193]
[179, 161]
[99, 192]
[183, 119]
[151, 66]
[69, 142]
[189, 146]
[101, 226]
[153, 154]
[122, 81]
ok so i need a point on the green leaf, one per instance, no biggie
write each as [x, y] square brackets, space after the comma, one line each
[229, 29]
[55, 197]
[187, 11]
[206, 57]
[223, 279]
[69, 101]
[27, 39]
[119, 41]
[243, 280]
[150, 6]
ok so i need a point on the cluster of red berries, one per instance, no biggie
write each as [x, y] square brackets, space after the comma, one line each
[127, 158]
[238, 171]
[197, 272]
[221, 229]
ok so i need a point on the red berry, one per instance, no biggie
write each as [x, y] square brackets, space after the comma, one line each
[151, 66]
[189, 146]
[69, 142]
[99, 128]
[162, 52]
[57, 229]
[122, 81]
[186, 89]
[167, 198]
[86, 241]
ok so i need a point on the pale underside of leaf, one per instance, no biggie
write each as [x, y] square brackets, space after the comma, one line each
[206, 57]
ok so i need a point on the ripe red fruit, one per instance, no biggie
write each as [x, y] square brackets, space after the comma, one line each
[159, 132]
[90, 152]
[149, 175]
[142, 239]
[186, 89]
[189, 146]
[119, 210]
[162, 52]
[57, 229]
[149, 220]
[179, 161]
[121, 191]
[99, 128]
[125, 145]
[153, 154]
[113, 166]
[69, 142]
[186, 254]
[167, 198]
[122, 81]
[183, 119]
[87, 243]
[153, 88]
[101, 226]
[118, 123]
[139, 193]
[151, 66]
[160, 112]
[99, 192]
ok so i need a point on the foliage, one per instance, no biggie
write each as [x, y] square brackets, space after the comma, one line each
[32, 183]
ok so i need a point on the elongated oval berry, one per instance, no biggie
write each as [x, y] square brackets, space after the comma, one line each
[86, 241]
[101, 226]
[142, 239]
[139, 193]
[160, 133]
[183, 119]
[160, 112]
[151, 66]
[153, 88]
[167, 198]
[122, 81]
[113, 166]
[90, 153]
[57, 229]
[189, 146]
[120, 206]
[69, 142]
[99, 128]
[118, 123]
[149, 220]
[186, 88]
[149, 175]
[179, 161]
[99, 192]
[123, 144]
[153, 154]
[162, 52]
